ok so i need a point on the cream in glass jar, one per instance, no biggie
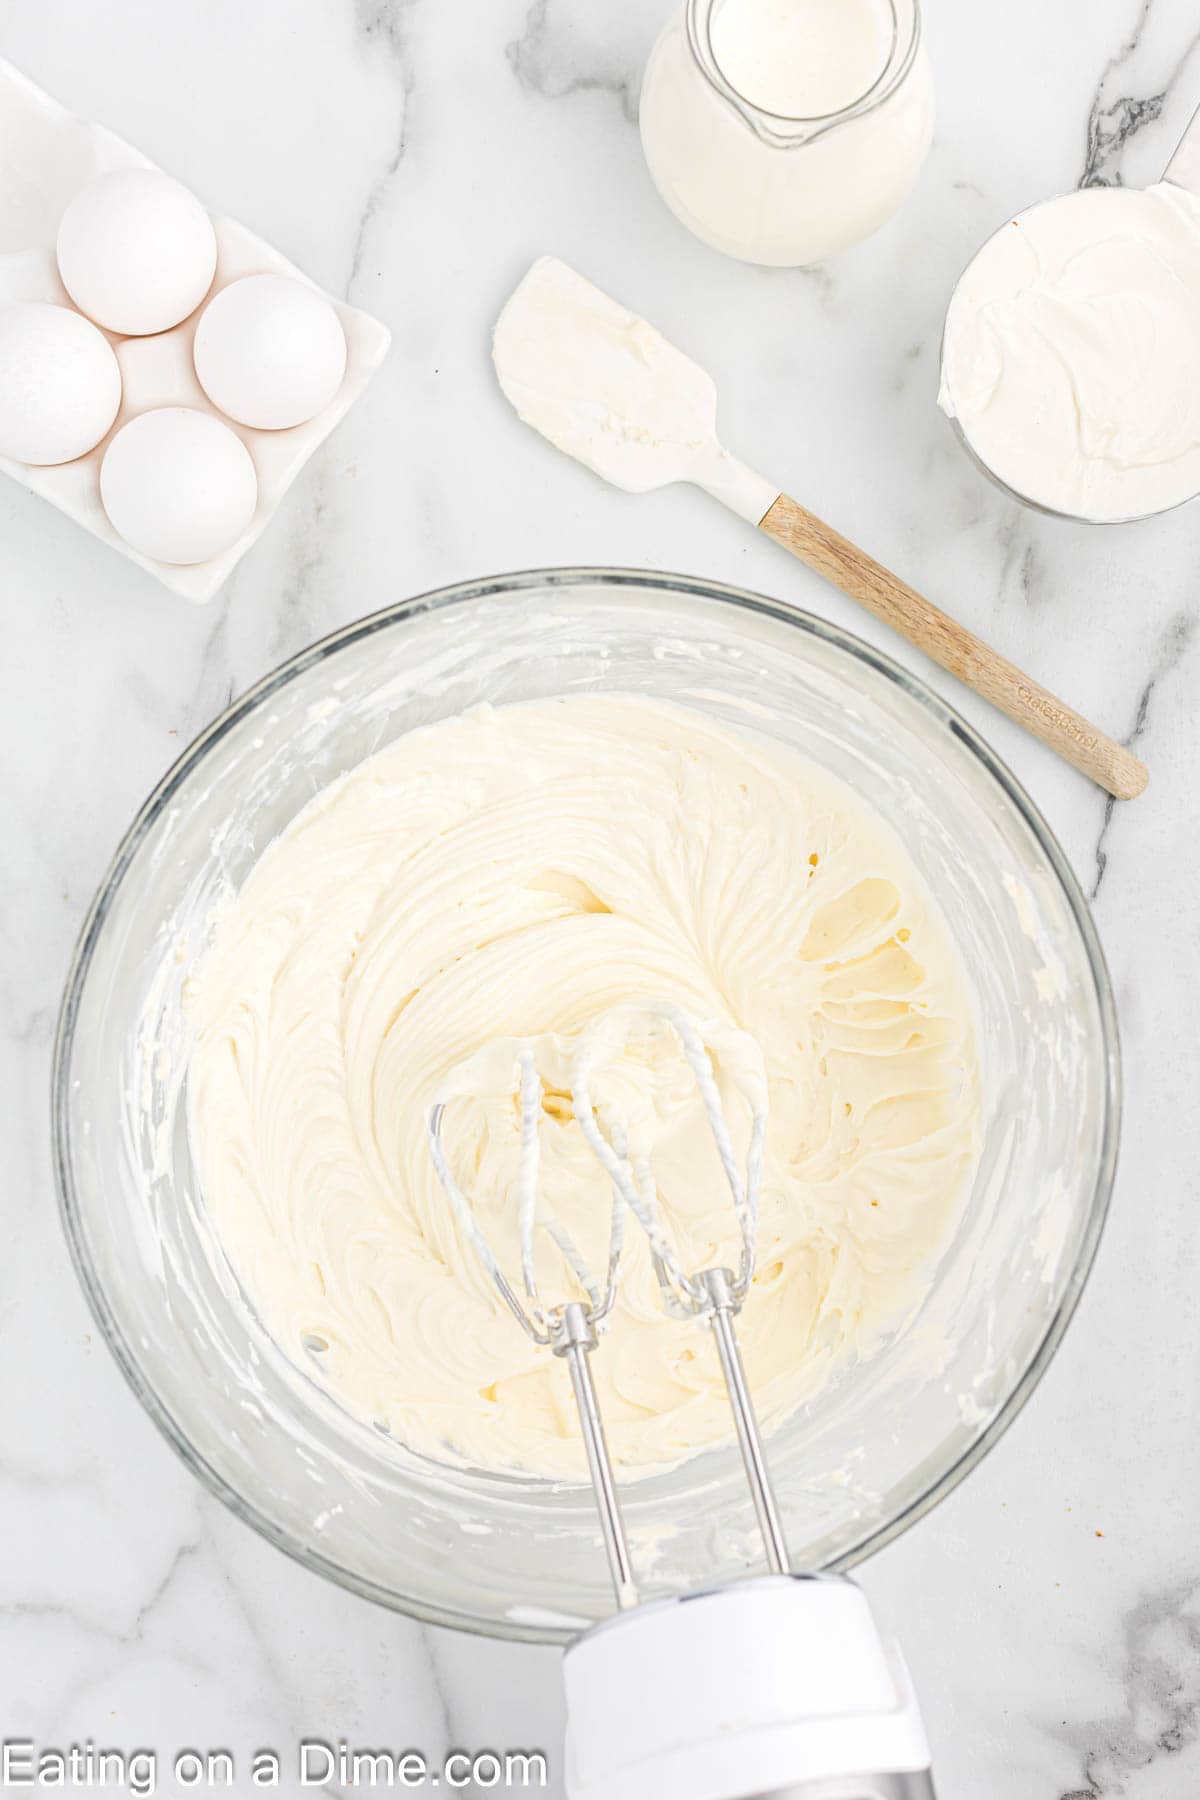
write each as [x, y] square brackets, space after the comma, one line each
[783, 131]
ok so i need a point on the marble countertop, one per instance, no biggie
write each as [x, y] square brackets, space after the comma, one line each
[413, 157]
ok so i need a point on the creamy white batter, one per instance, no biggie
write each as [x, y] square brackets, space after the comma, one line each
[1072, 352]
[515, 873]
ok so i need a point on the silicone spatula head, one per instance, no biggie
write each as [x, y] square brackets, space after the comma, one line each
[607, 388]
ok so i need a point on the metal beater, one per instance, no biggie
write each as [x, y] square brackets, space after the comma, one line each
[714, 1295]
[569, 1329]
[696, 1690]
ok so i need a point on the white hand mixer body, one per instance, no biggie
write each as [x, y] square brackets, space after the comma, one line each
[774, 1685]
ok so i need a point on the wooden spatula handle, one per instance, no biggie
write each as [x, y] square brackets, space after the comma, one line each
[955, 648]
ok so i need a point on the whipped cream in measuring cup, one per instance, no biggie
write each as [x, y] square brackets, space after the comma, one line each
[1071, 357]
[783, 131]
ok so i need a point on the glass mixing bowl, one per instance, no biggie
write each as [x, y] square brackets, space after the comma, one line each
[517, 1556]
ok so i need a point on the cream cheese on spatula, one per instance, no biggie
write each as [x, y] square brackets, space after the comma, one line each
[607, 388]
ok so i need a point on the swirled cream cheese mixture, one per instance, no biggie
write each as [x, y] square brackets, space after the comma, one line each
[513, 873]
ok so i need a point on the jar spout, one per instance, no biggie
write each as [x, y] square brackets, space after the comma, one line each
[785, 129]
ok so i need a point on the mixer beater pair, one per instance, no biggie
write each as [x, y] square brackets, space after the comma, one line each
[771, 1686]
[715, 1295]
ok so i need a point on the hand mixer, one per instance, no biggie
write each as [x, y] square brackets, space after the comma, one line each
[771, 1685]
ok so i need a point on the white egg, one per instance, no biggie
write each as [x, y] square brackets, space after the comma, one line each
[178, 485]
[136, 251]
[60, 385]
[270, 351]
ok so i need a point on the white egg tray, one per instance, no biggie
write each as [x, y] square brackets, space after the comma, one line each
[46, 156]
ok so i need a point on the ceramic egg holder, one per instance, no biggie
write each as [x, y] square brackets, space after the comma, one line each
[46, 156]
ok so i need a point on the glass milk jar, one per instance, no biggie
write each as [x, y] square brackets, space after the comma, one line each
[783, 131]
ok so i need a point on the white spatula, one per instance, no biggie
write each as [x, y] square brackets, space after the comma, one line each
[608, 389]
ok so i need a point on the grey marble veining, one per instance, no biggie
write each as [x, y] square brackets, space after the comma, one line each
[553, 57]
[1160, 1716]
[1136, 83]
[415, 155]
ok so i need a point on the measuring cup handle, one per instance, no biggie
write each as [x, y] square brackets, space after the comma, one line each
[1183, 170]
